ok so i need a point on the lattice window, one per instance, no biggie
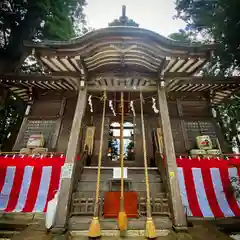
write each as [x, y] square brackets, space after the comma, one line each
[197, 128]
[45, 127]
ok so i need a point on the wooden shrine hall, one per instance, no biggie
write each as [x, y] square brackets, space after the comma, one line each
[118, 97]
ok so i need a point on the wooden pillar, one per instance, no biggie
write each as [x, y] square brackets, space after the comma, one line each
[138, 142]
[105, 141]
[22, 128]
[67, 180]
[58, 125]
[179, 218]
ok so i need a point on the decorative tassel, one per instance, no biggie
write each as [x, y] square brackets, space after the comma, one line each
[150, 231]
[122, 221]
[94, 229]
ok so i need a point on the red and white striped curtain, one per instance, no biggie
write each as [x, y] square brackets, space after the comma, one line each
[28, 183]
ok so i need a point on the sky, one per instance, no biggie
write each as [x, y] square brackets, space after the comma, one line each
[155, 15]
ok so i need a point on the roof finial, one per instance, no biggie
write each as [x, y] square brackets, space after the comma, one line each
[123, 11]
[123, 20]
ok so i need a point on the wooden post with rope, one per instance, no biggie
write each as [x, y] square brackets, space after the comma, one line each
[122, 216]
[95, 229]
[150, 231]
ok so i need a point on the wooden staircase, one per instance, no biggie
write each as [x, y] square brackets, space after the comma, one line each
[84, 197]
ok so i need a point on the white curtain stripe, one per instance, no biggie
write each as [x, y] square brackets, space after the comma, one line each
[183, 191]
[7, 187]
[43, 189]
[27, 176]
[201, 194]
[220, 195]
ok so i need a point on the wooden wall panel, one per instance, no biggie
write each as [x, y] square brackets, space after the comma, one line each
[172, 108]
[195, 108]
[66, 125]
[45, 106]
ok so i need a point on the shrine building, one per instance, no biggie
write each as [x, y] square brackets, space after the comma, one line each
[130, 96]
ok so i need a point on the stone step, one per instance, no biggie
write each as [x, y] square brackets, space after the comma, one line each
[90, 186]
[82, 223]
[88, 179]
[7, 234]
[13, 224]
[115, 234]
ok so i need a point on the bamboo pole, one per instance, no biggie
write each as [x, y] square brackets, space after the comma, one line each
[95, 229]
[122, 217]
[150, 231]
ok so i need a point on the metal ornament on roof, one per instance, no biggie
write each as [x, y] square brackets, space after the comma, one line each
[123, 20]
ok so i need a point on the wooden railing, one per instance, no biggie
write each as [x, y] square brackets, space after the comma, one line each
[80, 164]
[159, 161]
[84, 206]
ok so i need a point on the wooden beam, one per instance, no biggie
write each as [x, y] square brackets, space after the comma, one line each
[182, 78]
[207, 80]
[162, 66]
[66, 185]
[117, 73]
[122, 88]
[39, 77]
[179, 218]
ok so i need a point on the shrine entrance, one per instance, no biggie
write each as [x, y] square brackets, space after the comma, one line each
[128, 141]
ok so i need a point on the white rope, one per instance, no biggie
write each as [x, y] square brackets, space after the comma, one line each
[132, 108]
[154, 105]
[111, 107]
[90, 103]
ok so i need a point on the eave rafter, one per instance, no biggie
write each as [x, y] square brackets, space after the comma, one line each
[122, 47]
[119, 81]
[61, 64]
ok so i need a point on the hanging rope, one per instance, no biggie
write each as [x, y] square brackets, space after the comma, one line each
[111, 107]
[90, 103]
[132, 108]
[150, 231]
[94, 229]
[122, 217]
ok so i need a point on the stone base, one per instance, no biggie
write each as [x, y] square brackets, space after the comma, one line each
[58, 230]
[180, 228]
[116, 233]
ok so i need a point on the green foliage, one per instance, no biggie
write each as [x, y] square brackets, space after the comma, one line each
[184, 37]
[228, 115]
[22, 20]
[11, 114]
[39, 19]
[234, 187]
[218, 21]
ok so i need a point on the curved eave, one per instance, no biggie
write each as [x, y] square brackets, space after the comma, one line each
[122, 32]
